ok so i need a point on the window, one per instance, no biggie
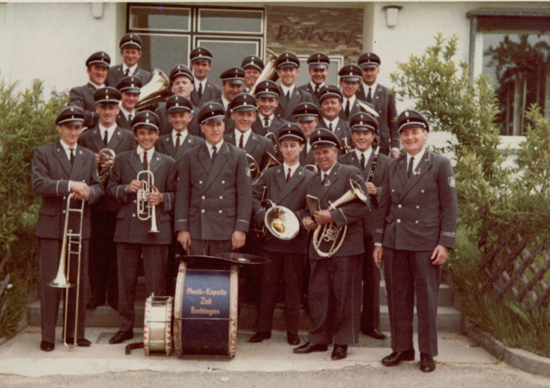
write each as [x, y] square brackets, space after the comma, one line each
[171, 32]
[513, 48]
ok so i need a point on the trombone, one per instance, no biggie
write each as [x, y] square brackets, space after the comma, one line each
[146, 211]
[71, 245]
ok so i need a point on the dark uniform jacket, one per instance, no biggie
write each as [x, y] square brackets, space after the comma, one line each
[380, 172]
[229, 123]
[213, 200]
[418, 213]
[51, 173]
[257, 146]
[83, 97]
[165, 127]
[307, 87]
[129, 229]
[342, 131]
[351, 214]
[122, 121]
[274, 125]
[291, 195]
[285, 108]
[384, 103]
[116, 74]
[211, 92]
[165, 145]
[355, 108]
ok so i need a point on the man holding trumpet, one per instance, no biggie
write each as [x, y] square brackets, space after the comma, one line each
[59, 170]
[144, 182]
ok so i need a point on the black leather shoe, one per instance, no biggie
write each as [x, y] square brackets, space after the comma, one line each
[46, 346]
[292, 339]
[82, 342]
[396, 357]
[427, 363]
[121, 336]
[374, 333]
[260, 336]
[95, 302]
[339, 352]
[310, 348]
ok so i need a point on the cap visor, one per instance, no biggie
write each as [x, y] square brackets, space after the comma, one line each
[412, 124]
[130, 44]
[213, 119]
[318, 66]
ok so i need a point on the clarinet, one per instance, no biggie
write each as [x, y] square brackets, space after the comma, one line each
[373, 166]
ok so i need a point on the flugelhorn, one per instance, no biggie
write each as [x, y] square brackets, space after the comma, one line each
[329, 234]
[105, 155]
[145, 210]
[155, 91]
[71, 244]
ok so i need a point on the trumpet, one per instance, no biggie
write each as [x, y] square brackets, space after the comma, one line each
[254, 167]
[105, 155]
[71, 244]
[330, 234]
[146, 211]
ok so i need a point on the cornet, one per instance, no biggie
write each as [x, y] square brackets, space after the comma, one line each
[145, 210]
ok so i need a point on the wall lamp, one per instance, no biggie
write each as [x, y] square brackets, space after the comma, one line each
[392, 12]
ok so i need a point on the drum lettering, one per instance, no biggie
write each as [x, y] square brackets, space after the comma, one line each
[204, 311]
[220, 292]
[193, 291]
[206, 300]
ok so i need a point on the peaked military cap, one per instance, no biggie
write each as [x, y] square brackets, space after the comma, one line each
[318, 61]
[146, 119]
[243, 102]
[200, 54]
[101, 58]
[351, 72]
[181, 70]
[291, 131]
[177, 103]
[254, 62]
[306, 111]
[267, 88]
[211, 112]
[368, 60]
[287, 59]
[235, 75]
[362, 121]
[330, 91]
[107, 95]
[71, 115]
[130, 84]
[131, 40]
[411, 118]
[323, 137]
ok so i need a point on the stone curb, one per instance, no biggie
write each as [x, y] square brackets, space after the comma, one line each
[517, 358]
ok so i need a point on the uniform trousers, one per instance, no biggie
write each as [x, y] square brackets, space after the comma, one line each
[335, 300]
[410, 273]
[155, 262]
[210, 247]
[291, 268]
[49, 252]
[370, 316]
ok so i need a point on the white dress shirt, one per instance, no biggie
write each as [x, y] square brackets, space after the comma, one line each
[312, 84]
[126, 113]
[218, 147]
[351, 102]
[417, 158]
[132, 70]
[96, 85]
[150, 153]
[110, 131]
[269, 119]
[292, 169]
[197, 83]
[366, 89]
[246, 136]
[367, 154]
[225, 103]
[182, 137]
[334, 123]
[290, 89]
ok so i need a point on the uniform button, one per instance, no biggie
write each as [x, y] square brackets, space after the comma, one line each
[392, 190]
[398, 221]
[399, 206]
[416, 222]
[203, 197]
[133, 215]
[221, 196]
[220, 212]
[422, 191]
[135, 201]
[418, 207]
[202, 210]
[63, 211]
[200, 182]
[64, 197]
[223, 182]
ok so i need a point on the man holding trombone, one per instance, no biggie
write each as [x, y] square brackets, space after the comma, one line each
[144, 182]
[60, 172]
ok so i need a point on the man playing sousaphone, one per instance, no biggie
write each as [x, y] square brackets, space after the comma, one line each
[336, 273]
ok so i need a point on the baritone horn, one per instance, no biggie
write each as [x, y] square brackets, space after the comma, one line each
[155, 91]
[281, 221]
[145, 210]
[105, 155]
[329, 234]
[71, 245]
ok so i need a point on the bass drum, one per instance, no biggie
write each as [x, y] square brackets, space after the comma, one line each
[205, 310]
[157, 329]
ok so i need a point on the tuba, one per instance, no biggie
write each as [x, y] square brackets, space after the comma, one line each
[329, 235]
[146, 211]
[105, 155]
[281, 221]
[156, 90]
[269, 72]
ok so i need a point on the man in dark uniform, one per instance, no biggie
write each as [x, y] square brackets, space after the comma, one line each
[107, 134]
[214, 198]
[267, 94]
[59, 170]
[253, 67]
[130, 88]
[416, 225]
[285, 185]
[383, 101]
[133, 237]
[204, 91]
[83, 96]
[130, 50]
[306, 116]
[318, 64]
[350, 80]
[373, 166]
[287, 69]
[232, 84]
[330, 101]
[335, 281]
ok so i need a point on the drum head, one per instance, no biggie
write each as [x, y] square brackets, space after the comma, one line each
[242, 258]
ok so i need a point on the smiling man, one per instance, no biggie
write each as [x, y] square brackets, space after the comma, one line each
[307, 115]
[350, 80]
[130, 88]
[330, 99]
[253, 67]
[204, 91]
[415, 229]
[318, 64]
[267, 94]
[130, 50]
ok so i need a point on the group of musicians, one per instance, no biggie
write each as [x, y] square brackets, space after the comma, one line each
[196, 149]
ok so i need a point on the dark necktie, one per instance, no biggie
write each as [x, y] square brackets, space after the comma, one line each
[266, 126]
[347, 109]
[178, 141]
[410, 171]
[72, 156]
[369, 96]
[288, 175]
[106, 139]
[362, 161]
[199, 92]
[330, 127]
[214, 154]
[127, 73]
[288, 95]
[145, 161]
[316, 89]
[241, 141]
[324, 178]
[130, 117]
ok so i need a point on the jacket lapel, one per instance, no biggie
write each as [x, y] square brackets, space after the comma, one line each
[170, 145]
[377, 97]
[401, 167]
[218, 165]
[330, 181]
[420, 171]
[186, 145]
[251, 143]
[283, 102]
[135, 161]
[289, 187]
[155, 162]
[62, 157]
[294, 99]
[204, 158]
[98, 141]
[115, 139]
[77, 165]
[368, 167]
[230, 138]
